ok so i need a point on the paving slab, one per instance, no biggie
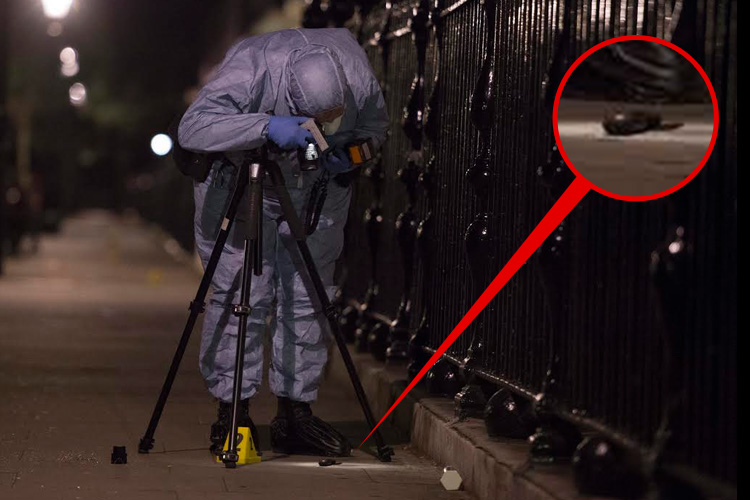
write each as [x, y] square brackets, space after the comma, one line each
[88, 326]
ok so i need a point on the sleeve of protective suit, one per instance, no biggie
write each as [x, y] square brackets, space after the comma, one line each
[372, 121]
[225, 116]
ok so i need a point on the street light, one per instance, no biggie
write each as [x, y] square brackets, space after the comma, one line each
[69, 69]
[161, 144]
[77, 94]
[68, 56]
[69, 60]
[56, 9]
[55, 28]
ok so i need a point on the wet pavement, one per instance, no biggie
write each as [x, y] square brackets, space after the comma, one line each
[88, 327]
[640, 164]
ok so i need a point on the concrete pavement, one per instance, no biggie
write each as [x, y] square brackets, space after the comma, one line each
[87, 330]
[636, 165]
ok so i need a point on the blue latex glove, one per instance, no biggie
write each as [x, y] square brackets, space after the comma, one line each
[336, 162]
[286, 133]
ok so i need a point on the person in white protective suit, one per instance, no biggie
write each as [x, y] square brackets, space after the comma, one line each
[264, 89]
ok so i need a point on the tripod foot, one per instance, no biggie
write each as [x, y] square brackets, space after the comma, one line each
[385, 453]
[145, 444]
[245, 452]
[230, 459]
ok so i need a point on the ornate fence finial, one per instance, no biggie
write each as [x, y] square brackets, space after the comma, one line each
[421, 336]
[555, 439]
[406, 222]
[479, 237]
[365, 338]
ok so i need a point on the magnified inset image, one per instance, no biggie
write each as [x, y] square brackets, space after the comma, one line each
[636, 118]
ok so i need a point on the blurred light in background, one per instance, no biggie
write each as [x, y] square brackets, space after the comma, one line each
[69, 60]
[161, 144]
[77, 94]
[56, 9]
[55, 28]
[71, 70]
[13, 195]
[68, 55]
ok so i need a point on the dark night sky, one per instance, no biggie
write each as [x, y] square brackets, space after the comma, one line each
[134, 46]
[137, 58]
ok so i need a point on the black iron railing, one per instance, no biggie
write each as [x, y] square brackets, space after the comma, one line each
[625, 321]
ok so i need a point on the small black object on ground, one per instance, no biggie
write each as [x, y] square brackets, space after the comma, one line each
[633, 122]
[327, 462]
[636, 122]
[119, 455]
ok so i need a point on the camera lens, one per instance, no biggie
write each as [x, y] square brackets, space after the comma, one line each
[308, 158]
[311, 152]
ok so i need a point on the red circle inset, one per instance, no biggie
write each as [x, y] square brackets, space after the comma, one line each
[677, 49]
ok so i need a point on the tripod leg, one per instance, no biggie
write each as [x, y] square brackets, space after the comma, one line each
[297, 229]
[242, 311]
[196, 307]
[384, 452]
[252, 260]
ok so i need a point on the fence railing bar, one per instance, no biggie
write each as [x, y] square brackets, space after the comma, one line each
[485, 375]
[406, 30]
[451, 8]
[611, 380]
[574, 418]
[376, 316]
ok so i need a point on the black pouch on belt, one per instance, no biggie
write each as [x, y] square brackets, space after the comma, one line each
[315, 204]
[195, 165]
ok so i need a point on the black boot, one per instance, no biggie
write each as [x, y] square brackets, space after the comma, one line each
[220, 428]
[295, 430]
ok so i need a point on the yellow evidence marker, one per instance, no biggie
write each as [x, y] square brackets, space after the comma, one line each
[245, 448]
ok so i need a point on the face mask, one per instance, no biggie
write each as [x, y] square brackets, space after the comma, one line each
[330, 128]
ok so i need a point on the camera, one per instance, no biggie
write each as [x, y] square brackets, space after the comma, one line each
[309, 156]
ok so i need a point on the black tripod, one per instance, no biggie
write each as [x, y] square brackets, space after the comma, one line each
[252, 172]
